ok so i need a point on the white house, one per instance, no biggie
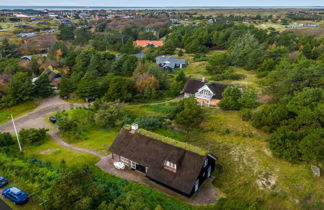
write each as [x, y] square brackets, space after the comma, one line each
[205, 94]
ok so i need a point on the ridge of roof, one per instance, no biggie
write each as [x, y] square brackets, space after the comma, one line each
[170, 141]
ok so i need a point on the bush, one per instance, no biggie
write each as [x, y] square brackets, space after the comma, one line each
[108, 115]
[148, 123]
[33, 136]
[230, 100]
[6, 139]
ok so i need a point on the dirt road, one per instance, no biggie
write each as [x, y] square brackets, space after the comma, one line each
[36, 118]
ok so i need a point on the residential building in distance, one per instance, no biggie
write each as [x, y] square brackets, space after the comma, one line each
[308, 25]
[147, 43]
[174, 21]
[170, 63]
[205, 94]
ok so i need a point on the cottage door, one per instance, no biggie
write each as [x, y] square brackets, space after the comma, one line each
[197, 185]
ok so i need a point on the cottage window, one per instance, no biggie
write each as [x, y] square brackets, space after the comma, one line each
[171, 165]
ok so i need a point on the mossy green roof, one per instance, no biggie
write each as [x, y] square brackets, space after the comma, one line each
[170, 141]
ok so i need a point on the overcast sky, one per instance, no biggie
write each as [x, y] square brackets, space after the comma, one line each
[162, 3]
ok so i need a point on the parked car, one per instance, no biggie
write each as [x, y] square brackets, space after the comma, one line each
[52, 119]
[15, 195]
[3, 182]
[90, 99]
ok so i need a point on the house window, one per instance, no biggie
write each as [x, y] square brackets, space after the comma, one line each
[205, 162]
[170, 166]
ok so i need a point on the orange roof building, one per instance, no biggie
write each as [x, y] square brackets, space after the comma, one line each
[145, 43]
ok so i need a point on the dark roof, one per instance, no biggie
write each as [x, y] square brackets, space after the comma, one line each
[152, 153]
[218, 89]
[193, 85]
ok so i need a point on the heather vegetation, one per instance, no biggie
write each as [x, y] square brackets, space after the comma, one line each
[266, 130]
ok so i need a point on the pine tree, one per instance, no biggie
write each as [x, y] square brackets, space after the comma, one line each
[191, 116]
[65, 87]
[87, 86]
[42, 87]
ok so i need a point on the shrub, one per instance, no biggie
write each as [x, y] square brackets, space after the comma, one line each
[6, 139]
[230, 100]
[148, 123]
[33, 136]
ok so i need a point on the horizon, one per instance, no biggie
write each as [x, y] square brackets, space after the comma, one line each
[164, 3]
[154, 7]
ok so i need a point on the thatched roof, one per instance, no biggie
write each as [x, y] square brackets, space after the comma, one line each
[193, 85]
[218, 89]
[152, 152]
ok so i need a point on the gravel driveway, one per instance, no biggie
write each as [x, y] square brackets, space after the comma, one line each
[35, 119]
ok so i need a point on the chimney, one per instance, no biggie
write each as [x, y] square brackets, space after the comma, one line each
[134, 127]
[203, 79]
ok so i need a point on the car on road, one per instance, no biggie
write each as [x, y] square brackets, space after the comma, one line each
[52, 119]
[16, 195]
[3, 182]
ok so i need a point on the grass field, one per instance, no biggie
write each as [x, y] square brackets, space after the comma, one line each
[249, 171]
[249, 79]
[52, 152]
[98, 140]
[16, 111]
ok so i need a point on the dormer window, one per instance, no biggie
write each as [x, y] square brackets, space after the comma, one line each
[170, 166]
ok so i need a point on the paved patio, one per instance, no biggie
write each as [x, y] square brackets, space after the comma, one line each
[205, 195]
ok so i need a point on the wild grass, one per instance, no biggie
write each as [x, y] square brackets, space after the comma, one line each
[98, 140]
[16, 111]
[244, 156]
[197, 70]
[52, 152]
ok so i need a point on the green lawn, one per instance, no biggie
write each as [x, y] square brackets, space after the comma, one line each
[154, 110]
[98, 140]
[55, 153]
[16, 111]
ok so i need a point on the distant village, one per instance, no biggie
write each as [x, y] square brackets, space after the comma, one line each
[175, 17]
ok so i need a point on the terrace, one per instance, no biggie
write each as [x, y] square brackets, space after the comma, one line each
[207, 194]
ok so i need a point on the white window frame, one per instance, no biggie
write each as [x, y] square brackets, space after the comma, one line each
[196, 185]
[205, 162]
[209, 172]
[170, 164]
